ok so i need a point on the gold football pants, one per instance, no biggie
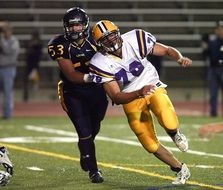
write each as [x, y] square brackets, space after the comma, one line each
[141, 122]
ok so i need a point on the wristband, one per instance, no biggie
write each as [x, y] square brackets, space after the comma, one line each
[179, 60]
[87, 78]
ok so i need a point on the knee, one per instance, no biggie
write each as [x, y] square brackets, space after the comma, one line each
[84, 133]
[145, 133]
[168, 119]
[95, 131]
[153, 148]
[150, 144]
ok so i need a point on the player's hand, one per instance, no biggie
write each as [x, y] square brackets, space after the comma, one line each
[184, 61]
[88, 78]
[146, 90]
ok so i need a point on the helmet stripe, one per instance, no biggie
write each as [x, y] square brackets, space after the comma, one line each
[102, 27]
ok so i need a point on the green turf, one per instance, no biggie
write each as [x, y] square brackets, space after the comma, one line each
[124, 166]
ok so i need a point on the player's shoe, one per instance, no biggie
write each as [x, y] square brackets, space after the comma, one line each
[181, 141]
[96, 177]
[4, 178]
[4, 160]
[182, 176]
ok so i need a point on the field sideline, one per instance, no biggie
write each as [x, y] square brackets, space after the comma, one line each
[44, 152]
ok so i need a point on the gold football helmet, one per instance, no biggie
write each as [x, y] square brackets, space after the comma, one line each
[107, 35]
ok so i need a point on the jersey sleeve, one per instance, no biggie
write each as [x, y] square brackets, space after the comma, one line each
[99, 70]
[58, 48]
[142, 42]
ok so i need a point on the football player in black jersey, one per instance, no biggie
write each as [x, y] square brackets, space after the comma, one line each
[84, 102]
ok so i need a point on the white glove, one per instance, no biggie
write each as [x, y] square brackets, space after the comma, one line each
[87, 78]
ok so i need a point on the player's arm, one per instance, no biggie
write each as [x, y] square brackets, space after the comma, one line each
[118, 97]
[164, 50]
[57, 50]
[66, 67]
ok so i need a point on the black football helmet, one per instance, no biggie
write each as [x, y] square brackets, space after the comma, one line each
[74, 16]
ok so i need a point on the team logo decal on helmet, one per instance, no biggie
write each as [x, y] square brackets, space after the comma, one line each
[75, 16]
[107, 35]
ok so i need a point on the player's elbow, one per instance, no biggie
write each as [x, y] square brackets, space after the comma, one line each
[119, 97]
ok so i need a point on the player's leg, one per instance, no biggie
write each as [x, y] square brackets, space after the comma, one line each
[141, 122]
[162, 107]
[8, 82]
[183, 173]
[220, 76]
[98, 104]
[83, 127]
[86, 143]
[213, 91]
[77, 110]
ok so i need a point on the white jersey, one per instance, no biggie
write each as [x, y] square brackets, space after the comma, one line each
[133, 70]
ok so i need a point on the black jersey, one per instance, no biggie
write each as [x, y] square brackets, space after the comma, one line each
[60, 48]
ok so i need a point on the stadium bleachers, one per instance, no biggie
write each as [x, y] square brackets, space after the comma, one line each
[179, 23]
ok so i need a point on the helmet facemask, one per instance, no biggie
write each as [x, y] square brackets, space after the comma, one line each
[75, 35]
[106, 34]
[111, 42]
[76, 17]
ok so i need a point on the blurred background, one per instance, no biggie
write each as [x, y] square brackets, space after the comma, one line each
[179, 23]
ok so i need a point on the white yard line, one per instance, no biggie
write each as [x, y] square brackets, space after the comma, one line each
[49, 130]
[39, 139]
[102, 138]
[34, 168]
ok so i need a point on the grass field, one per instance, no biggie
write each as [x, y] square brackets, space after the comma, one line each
[45, 156]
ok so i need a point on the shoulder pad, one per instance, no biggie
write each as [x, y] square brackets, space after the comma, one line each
[57, 47]
[90, 39]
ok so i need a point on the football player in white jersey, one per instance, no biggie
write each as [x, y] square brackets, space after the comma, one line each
[130, 79]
